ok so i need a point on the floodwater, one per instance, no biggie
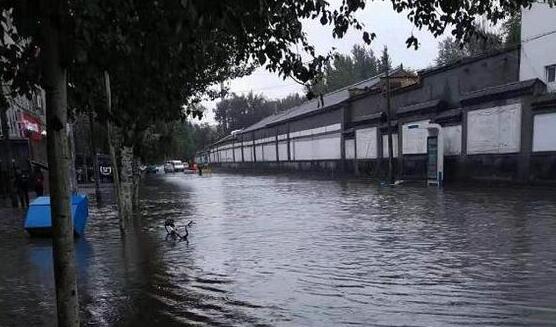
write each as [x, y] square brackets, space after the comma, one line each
[290, 251]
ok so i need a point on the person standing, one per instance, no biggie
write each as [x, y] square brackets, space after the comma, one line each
[38, 181]
[22, 187]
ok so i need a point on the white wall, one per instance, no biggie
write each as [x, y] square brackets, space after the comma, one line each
[323, 147]
[259, 153]
[237, 154]
[494, 130]
[538, 48]
[544, 132]
[248, 153]
[452, 140]
[366, 143]
[414, 140]
[302, 149]
[385, 145]
[350, 149]
[327, 147]
[283, 151]
[229, 155]
[269, 152]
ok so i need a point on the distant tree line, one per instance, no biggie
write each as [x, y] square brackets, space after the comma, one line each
[483, 41]
[348, 69]
[177, 140]
[239, 111]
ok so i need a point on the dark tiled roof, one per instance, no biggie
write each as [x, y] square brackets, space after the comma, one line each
[504, 90]
[466, 60]
[419, 106]
[374, 116]
[330, 100]
[449, 115]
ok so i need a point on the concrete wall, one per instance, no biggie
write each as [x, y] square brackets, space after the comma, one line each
[497, 136]
[538, 49]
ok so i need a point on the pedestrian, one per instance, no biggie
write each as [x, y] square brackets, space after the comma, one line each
[22, 187]
[38, 181]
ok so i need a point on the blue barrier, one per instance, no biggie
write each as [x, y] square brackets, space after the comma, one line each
[38, 219]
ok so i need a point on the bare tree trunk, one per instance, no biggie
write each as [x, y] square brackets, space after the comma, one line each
[93, 154]
[112, 144]
[58, 160]
[73, 173]
[136, 182]
[126, 184]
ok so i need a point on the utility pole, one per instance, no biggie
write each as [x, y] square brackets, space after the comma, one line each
[389, 117]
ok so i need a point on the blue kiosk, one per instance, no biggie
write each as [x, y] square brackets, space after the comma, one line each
[38, 220]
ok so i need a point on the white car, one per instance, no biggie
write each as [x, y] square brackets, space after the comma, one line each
[178, 165]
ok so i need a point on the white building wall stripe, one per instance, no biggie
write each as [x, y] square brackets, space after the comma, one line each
[385, 145]
[350, 149]
[269, 152]
[248, 153]
[366, 143]
[237, 154]
[283, 151]
[494, 130]
[414, 140]
[452, 140]
[324, 147]
[544, 132]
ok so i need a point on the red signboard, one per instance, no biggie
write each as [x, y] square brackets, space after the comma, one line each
[31, 126]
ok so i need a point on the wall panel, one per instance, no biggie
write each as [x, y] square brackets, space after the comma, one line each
[494, 130]
[269, 152]
[414, 140]
[366, 143]
[350, 149]
[452, 140]
[544, 132]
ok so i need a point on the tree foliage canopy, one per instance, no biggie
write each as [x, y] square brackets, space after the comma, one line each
[346, 70]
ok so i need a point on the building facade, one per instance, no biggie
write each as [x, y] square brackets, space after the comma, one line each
[538, 39]
[496, 120]
[23, 120]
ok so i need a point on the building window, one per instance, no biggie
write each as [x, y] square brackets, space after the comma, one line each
[551, 74]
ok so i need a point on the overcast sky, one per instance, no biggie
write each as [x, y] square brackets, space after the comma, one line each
[391, 28]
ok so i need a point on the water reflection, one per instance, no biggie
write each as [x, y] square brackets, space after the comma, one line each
[282, 251]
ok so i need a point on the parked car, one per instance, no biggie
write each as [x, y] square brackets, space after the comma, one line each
[169, 167]
[152, 169]
[178, 165]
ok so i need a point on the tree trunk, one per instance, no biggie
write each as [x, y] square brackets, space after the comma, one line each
[93, 154]
[136, 181]
[58, 161]
[9, 152]
[126, 184]
[112, 144]
[73, 173]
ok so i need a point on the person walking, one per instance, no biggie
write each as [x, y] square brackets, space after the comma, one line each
[38, 181]
[22, 187]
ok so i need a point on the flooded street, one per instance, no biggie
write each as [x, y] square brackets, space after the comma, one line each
[290, 251]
